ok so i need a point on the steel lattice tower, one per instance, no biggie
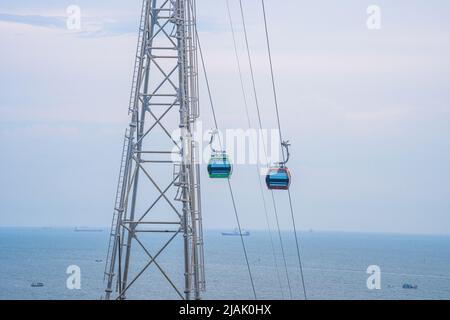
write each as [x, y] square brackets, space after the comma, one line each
[164, 97]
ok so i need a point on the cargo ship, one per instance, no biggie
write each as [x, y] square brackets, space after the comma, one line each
[236, 233]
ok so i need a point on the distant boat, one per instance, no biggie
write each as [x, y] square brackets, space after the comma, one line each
[409, 286]
[236, 233]
[37, 284]
[87, 229]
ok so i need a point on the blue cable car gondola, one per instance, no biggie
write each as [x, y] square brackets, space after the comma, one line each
[278, 176]
[219, 166]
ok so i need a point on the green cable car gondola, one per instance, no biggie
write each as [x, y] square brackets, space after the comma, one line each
[219, 166]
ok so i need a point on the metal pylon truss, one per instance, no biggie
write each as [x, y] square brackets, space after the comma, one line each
[158, 193]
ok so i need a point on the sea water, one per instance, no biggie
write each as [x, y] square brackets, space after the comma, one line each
[334, 265]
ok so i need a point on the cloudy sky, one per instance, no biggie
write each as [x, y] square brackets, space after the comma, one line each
[367, 111]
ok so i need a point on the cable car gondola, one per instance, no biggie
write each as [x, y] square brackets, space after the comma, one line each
[219, 166]
[278, 176]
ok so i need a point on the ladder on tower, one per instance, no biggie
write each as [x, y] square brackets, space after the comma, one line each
[194, 211]
[118, 205]
[137, 63]
[198, 222]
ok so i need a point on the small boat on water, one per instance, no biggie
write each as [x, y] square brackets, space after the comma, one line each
[236, 233]
[409, 286]
[37, 284]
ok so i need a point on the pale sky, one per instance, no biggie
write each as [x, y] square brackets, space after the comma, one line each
[367, 111]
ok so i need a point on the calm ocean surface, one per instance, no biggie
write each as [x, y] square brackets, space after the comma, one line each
[334, 265]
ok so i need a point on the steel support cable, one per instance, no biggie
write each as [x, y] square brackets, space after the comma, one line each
[281, 139]
[228, 180]
[264, 146]
[258, 168]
